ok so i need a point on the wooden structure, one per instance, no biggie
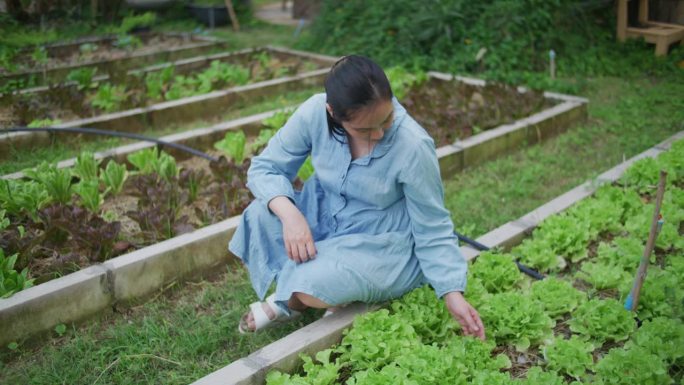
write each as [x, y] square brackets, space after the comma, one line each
[661, 34]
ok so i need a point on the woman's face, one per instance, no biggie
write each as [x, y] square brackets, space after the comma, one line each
[368, 125]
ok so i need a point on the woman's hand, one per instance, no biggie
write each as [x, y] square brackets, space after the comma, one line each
[465, 314]
[296, 232]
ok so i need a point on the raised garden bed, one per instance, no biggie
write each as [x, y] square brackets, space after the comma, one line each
[167, 261]
[183, 110]
[52, 63]
[569, 326]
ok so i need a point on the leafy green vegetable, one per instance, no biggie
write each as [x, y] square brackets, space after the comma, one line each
[536, 376]
[663, 337]
[12, 281]
[57, 182]
[401, 80]
[114, 176]
[18, 196]
[624, 252]
[497, 272]
[145, 160]
[109, 97]
[376, 340]
[40, 123]
[307, 170]
[662, 295]
[277, 120]
[86, 167]
[602, 320]
[156, 82]
[603, 275]
[428, 364]
[390, 374]
[475, 355]
[233, 146]
[571, 357]
[89, 192]
[428, 316]
[639, 226]
[557, 296]
[517, 319]
[133, 21]
[632, 366]
[83, 77]
[539, 254]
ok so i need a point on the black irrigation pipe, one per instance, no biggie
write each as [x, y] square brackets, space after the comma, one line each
[525, 269]
[97, 131]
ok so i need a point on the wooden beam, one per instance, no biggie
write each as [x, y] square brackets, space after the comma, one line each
[233, 17]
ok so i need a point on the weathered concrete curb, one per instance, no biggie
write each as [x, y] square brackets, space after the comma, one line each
[325, 332]
[201, 45]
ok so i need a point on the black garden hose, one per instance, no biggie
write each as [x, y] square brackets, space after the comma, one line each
[525, 269]
[97, 131]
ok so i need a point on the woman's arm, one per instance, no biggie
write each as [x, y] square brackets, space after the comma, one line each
[436, 245]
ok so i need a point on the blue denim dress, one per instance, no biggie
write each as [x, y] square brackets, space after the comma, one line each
[379, 223]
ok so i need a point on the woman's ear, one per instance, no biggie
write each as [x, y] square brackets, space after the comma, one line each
[327, 107]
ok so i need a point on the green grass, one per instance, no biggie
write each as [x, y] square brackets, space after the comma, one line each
[21, 159]
[191, 331]
[176, 339]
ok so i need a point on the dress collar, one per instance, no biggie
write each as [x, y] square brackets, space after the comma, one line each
[383, 146]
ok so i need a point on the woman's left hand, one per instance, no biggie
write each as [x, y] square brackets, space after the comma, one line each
[465, 314]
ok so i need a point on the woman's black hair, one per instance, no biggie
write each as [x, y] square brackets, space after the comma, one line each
[353, 82]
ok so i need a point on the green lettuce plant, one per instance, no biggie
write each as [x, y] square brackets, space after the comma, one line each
[428, 316]
[109, 97]
[83, 77]
[516, 319]
[428, 364]
[536, 376]
[57, 182]
[661, 336]
[475, 355]
[639, 226]
[497, 272]
[571, 357]
[260, 142]
[157, 82]
[662, 295]
[600, 320]
[144, 160]
[89, 192]
[401, 80]
[113, 177]
[624, 252]
[233, 146]
[629, 367]
[19, 196]
[277, 120]
[323, 371]
[603, 275]
[558, 297]
[539, 254]
[86, 166]
[12, 281]
[376, 340]
[390, 374]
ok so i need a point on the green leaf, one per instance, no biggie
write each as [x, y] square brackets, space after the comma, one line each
[60, 329]
[86, 167]
[233, 146]
[114, 176]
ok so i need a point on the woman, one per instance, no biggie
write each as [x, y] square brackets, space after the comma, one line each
[369, 225]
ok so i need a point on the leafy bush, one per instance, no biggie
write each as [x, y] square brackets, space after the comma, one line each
[497, 272]
[475, 355]
[516, 319]
[86, 166]
[639, 226]
[56, 181]
[557, 296]
[322, 372]
[233, 146]
[18, 196]
[89, 192]
[602, 320]
[631, 366]
[83, 77]
[114, 176]
[401, 80]
[539, 254]
[571, 357]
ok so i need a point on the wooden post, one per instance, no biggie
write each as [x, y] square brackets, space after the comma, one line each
[233, 17]
[643, 266]
[643, 11]
[622, 20]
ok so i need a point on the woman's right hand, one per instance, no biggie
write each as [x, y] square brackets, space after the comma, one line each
[297, 236]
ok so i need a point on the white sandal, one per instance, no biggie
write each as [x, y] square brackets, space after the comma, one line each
[261, 320]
